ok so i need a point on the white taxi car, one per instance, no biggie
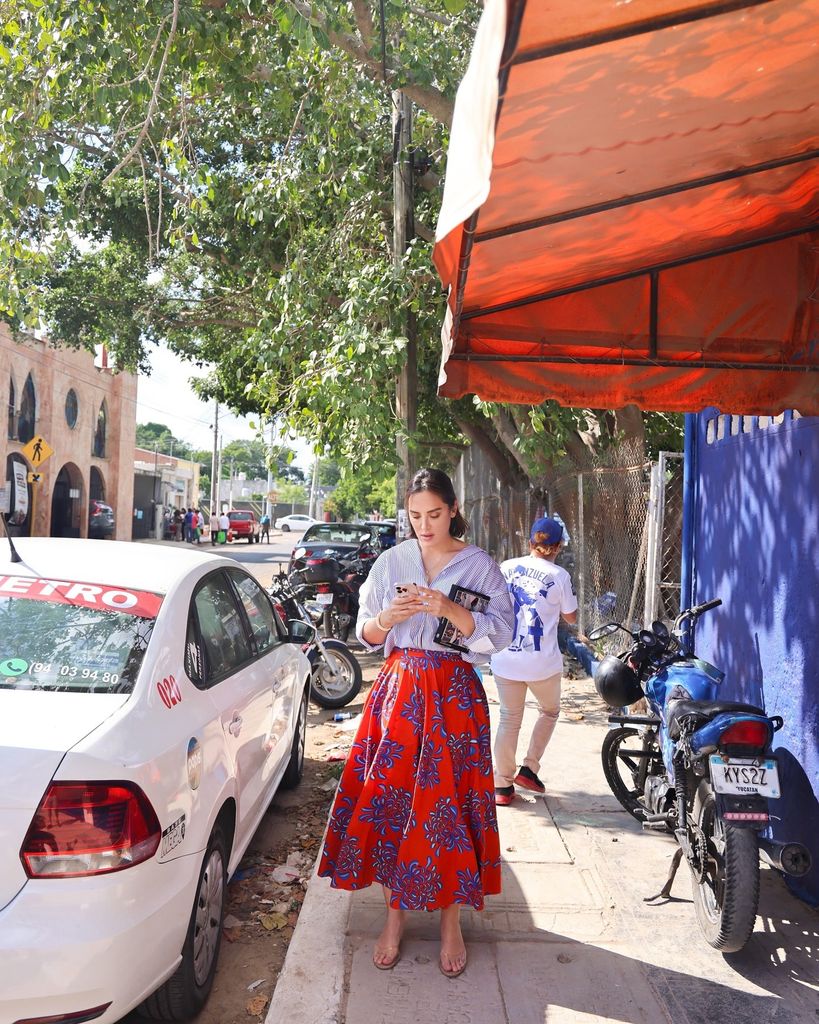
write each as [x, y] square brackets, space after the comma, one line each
[150, 705]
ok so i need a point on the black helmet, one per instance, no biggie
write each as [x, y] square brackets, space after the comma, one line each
[616, 683]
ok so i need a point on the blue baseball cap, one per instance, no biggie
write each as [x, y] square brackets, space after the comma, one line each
[550, 528]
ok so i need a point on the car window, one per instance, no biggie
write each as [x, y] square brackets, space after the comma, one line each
[225, 643]
[258, 609]
[64, 635]
[240, 515]
[342, 533]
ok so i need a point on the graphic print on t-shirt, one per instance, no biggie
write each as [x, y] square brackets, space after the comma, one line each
[526, 588]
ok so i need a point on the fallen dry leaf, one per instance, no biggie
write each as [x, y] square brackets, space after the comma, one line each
[271, 921]
[257, 1006]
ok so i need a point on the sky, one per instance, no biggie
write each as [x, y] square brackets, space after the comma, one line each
[166, 397]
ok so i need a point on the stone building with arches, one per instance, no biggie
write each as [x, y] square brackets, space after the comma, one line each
[87, 416]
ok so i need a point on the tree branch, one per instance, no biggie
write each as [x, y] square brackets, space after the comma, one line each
[149, 117]
[432, 100]
[481, 438]
[508, 434]
[424, 232]
[430, 15]
[364, 21]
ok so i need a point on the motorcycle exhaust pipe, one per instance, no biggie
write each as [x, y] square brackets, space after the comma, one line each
[792, 858]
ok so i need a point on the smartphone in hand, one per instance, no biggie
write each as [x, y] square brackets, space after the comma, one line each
[406, 588]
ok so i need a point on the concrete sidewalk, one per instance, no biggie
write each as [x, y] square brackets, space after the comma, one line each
[570, 938]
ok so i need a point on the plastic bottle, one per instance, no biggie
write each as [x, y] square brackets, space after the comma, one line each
[342, 716]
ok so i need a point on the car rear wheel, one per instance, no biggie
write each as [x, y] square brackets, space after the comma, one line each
[285, 528]
[185, 993]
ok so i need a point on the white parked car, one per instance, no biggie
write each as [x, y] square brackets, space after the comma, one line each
[294, 522]
[150, 706]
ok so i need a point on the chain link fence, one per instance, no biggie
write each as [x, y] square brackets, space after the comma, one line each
[499, 517]
[624, 522]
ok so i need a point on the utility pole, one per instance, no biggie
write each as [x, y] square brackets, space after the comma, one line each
[230, 486]
[311, 508]
[406, 391]
[268, 507]
[219, 478]
[214, 468]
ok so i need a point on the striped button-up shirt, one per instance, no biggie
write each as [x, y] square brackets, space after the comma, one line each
[471, 568]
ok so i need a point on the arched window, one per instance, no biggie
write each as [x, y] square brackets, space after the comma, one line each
[71, 408]
[28, 412]
[12, 408]
[100, 432]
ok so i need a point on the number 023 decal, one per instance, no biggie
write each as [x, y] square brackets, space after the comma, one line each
[169, 691]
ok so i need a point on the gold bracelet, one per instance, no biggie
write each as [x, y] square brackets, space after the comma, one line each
[377, 620]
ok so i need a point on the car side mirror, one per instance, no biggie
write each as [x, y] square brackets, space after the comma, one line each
[300, 632]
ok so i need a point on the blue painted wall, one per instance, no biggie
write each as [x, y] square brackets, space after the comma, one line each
[755, 544]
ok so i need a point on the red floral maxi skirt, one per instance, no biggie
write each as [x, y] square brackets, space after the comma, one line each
[415, 807]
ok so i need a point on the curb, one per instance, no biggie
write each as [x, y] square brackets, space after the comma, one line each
[310, 989]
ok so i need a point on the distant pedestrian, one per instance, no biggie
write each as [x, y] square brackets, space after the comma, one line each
[178, 523]
[224, 528]
[189, 525]
[541, 592]
[200, 524]
[214, 525]
[264, 523]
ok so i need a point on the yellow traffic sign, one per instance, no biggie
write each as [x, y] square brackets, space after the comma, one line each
[37, 451]
[35, 478]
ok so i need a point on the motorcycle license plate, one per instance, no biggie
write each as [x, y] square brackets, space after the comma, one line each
[745, 777]
[324, 598]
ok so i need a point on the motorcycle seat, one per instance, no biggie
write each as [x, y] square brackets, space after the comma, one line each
[703, 711]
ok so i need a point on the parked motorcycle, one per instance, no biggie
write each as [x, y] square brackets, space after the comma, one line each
[329, 587]
[698, 767]
[335, 671]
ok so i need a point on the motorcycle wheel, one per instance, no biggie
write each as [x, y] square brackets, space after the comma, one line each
[335, 694]
[727, 894]
[622, 771]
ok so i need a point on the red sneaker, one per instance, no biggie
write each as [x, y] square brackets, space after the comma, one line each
[527, 779]
[504, 795]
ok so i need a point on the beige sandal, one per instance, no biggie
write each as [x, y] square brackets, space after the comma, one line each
[388, 966]
[452, 974]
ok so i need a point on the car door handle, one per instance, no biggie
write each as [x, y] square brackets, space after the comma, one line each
[235, 726]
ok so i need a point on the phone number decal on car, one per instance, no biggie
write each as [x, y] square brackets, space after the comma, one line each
[114, 599]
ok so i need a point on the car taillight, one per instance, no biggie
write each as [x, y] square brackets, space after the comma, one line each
[745, 734]
[88, 828]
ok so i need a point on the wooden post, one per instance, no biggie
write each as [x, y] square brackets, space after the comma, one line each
[406, 392]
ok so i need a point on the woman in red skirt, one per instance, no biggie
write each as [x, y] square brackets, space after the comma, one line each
[415, 807]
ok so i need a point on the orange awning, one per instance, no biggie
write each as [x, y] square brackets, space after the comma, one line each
[631, 211]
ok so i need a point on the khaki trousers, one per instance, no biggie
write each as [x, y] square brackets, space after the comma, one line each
[512, 694]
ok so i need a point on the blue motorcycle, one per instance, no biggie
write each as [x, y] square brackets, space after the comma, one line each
[697, 767]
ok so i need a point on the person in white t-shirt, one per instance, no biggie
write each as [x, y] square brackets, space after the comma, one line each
[541, 592]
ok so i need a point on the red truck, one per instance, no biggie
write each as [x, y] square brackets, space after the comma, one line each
[244, 524]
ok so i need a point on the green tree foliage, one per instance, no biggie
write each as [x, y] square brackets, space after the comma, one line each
[218, 174]
[357, 495]
[254, 457]
[158, 437]
[290, 492]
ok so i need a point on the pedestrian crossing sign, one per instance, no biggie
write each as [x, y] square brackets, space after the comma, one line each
[37, 451]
